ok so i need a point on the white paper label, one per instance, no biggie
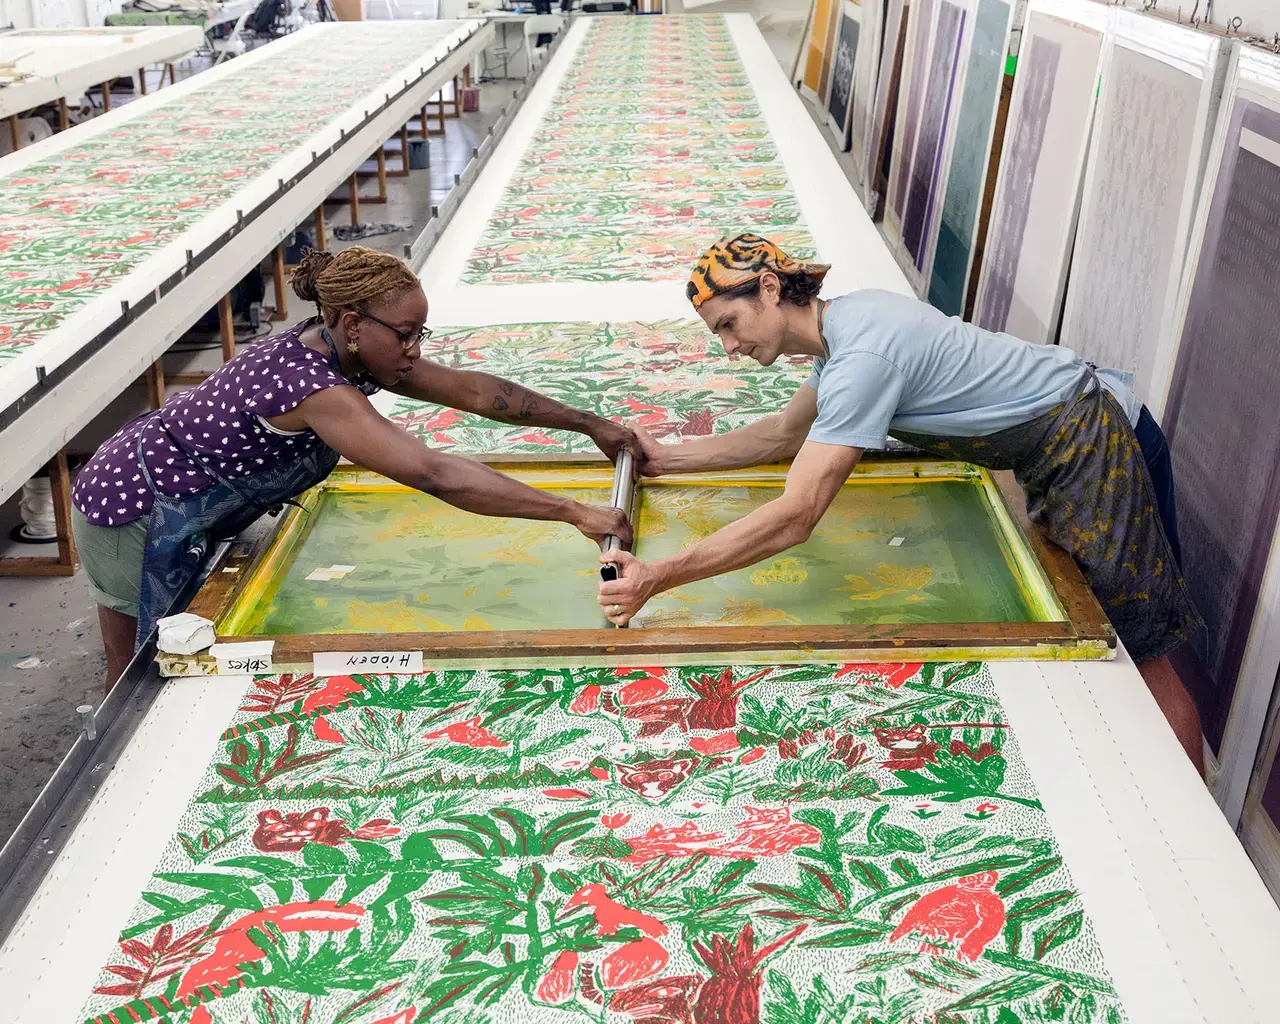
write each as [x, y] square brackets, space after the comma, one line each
[243, 659]
[342, 663]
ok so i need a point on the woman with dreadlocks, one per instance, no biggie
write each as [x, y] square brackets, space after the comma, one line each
[274, 421]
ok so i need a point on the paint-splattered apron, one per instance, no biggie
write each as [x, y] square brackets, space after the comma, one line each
[1088, 488]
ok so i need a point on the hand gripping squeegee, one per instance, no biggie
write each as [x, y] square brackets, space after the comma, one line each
[621, 496]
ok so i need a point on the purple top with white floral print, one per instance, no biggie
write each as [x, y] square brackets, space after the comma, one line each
[222, 419]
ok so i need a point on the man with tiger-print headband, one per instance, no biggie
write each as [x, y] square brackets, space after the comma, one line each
[1083, 447]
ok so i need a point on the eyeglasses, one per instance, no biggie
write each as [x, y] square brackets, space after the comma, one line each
[406, 338]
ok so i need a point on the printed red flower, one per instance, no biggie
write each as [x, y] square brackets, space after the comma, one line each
[558, 984]
[891, 675]
[732, 994]
[469, 734]
[960, 918]
[290, 832]
[754, 754]
[910, 749]
[566, 794]
[698, 424]
[538, 437]
[377, 828]
[642, 690]
[587, 701]
[404, 1016]
[986, 806]
[614, 820]
[337, 690]
[718, 744]
[325, 732]
[632, 962]
[717, 703]
[985, 750]
[600, 773]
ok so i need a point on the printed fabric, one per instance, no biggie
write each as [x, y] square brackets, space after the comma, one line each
[715, 844]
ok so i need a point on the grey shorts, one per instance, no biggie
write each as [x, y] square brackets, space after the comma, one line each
[112, 560]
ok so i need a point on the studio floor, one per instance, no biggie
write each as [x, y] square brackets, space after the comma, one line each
[51, 659]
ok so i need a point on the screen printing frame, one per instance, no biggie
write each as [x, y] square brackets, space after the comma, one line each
[1083, 633]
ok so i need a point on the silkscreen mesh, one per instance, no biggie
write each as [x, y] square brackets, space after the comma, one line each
[1036, 70]
[958, 223]
[914, 68]
[1223, 418]
[921, 206]
[1032, 277]
[1128, 249]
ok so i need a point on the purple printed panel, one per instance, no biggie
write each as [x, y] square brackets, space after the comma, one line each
[927, 162]
[1040, 68]
[1223, 421]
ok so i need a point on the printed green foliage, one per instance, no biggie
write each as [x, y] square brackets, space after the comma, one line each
[566, 864]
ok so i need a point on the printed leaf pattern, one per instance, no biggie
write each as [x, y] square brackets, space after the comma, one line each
[659, 846]
[670, 376]
[77, 222]
[654, 148]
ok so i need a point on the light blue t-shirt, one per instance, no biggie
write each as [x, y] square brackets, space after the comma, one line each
[897, 362]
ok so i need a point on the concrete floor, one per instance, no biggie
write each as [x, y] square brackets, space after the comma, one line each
[52, 657]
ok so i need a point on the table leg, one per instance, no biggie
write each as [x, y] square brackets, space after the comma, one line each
[353, 193]
[106, 97]
[404, 149]
[142, 80]
[423, 132]
[60, 488]
[155, 384]
[173, 75]
[382, 175]
[15, 134]
[320, 244]
[277, 277]
[64, 118]
[227, 328]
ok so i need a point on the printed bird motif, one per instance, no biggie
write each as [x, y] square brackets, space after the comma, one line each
[960, 918]
[610, 915]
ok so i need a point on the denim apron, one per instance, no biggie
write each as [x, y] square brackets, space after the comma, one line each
[180, 530]
[1088, 488]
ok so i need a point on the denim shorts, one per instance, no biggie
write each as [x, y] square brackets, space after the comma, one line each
[1155, 453]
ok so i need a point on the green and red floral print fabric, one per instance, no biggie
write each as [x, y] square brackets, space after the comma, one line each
[653, 148]
[80, 220]
[670, 376]
[696, 845]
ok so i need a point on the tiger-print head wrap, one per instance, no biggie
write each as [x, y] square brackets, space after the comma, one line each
[736, 261]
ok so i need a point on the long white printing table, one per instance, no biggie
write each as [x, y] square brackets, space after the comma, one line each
[1189, 931]
[1186, 928]
[64, 62]
[199, 181]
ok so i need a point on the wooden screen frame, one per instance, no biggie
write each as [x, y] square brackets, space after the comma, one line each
[1084, 633]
